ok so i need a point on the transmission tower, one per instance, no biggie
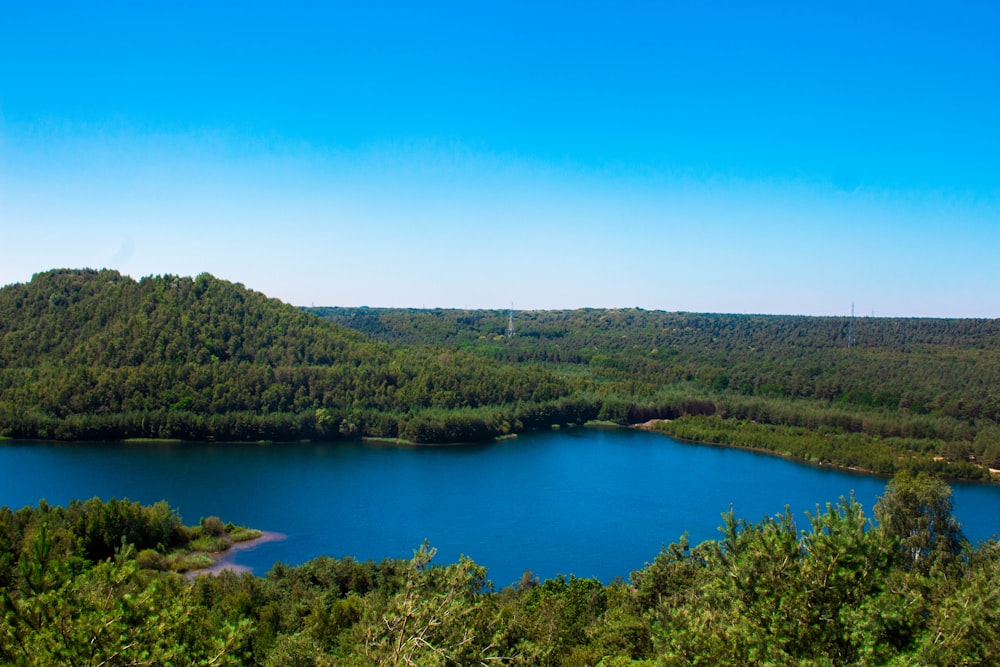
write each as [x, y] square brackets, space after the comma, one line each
[850, 329]
[510, 322]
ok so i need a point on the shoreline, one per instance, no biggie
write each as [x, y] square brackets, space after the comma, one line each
[224, 559]
[650, 427]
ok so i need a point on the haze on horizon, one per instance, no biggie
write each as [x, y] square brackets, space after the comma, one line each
[718, 158]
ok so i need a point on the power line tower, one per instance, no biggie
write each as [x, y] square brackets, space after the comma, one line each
[510, 323]
[850, 330]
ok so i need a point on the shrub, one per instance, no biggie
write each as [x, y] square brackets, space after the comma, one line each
[151, 559]
[213, 526]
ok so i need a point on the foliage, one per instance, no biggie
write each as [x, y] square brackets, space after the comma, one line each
[52, 540]
[69, 600]
[843, 590]
[917, 510]
[926, 389]
[91, 355]
[821, 446]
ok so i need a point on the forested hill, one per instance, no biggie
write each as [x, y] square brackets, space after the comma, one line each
[95, 355]
[688, 333]
[939, 366]
[906, 389]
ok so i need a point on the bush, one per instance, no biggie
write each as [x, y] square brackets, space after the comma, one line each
[151, 559]
[213, 526]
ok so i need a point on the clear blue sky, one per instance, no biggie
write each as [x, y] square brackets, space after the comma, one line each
[789, 157]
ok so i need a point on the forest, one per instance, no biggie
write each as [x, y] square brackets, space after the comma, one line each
[901, 588]
[879, 394]
[94, 355]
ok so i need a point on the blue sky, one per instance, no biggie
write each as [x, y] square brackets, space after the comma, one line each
[785, 158]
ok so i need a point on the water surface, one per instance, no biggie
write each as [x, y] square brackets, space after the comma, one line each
[594, 503]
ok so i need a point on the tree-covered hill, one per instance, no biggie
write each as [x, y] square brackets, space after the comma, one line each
[927, 366]
[623, 328]
[94, 355]
[920, 387]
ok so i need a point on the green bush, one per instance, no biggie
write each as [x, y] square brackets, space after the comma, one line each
[151, 559]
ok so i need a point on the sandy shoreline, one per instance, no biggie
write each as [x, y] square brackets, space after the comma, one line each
[224, 559]
[651, 424]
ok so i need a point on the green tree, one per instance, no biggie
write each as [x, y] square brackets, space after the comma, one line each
[112, 614]
[917, 511]
[431, 620]
[964, 628]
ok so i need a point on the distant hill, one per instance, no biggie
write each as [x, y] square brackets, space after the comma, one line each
[945, 366]
[96, 355]
[909, 389]
[623, 328]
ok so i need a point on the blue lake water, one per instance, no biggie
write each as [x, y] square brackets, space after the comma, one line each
[594, 503]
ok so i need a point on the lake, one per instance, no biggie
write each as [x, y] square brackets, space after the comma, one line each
[591, 502]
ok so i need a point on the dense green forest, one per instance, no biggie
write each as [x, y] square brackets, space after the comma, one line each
[93, 355]
[924, 389]
[904, 589]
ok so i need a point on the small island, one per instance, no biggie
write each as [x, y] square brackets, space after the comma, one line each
[207, 543]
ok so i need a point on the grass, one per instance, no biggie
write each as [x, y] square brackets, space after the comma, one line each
[182, 561]
[390, 441]
[244, 534]
[211, 543]
[153, 441]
